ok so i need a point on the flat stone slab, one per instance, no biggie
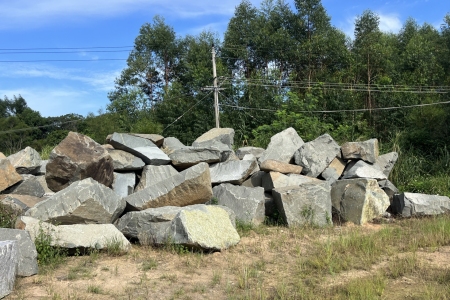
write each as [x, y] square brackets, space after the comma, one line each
[282, 146]
[8, 266]
[359, 200]
[415, 204]
[26, 161]
[277, 166]
[246, 202]
[316, 156]
[367, 150]
[235, 172]
[124, 161]
[83, 202]
[214, 136]
[85, 236]
[191, 186]
[27, 256]
[307, 204]
[275, 180]
[186, 157]
[154, 174]
[140, 147]
[8, 174]
[361, 169]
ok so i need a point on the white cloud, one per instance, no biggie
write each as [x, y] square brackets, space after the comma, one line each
[390, 22]
[32, 13]
[100, 81]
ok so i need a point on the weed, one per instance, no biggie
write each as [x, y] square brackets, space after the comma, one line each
[217, 277]
[114, 247]
[47, 253]
[244, 228]
[94, 289]
[149, 264]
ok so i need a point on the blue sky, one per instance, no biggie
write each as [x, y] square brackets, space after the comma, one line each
[57, 88]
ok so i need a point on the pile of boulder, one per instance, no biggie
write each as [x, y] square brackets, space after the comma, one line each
[156, 190]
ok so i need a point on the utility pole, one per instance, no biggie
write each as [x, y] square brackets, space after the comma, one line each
[216, 88]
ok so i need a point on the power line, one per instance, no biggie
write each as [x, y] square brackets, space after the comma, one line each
[343, 110]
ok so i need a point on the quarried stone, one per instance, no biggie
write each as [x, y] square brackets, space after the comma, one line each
[367, 150]
[235, 172]
[78, 157]
[315, 156]
[27, 256]
[77, 236]
[26, 161]
[307, 204]
[154, 174]
[192, 186]
[334, 171]
[386, 162]
[124, 184]
[188, 156]
[255, 151]
[359, 200]
[8, 266]
[124, 161]
[140, 147]
[415, 204]
[275, 180]
[246, 202]
[209, 139]
[282, 146]
[155, 138]
[8, 175]
[277, 166]
[83, 202]
[361, 169]
[28, 186]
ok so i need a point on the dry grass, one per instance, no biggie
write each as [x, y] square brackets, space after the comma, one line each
[407, 259]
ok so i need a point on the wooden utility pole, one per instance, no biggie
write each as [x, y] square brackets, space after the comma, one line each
[216, 88]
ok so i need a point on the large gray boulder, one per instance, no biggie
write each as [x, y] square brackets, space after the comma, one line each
[28, 186]
[255, 180]
[415, 204]
[26, 161]
[275, 180]
[192, 186]
[124, 184]
[83, 236]
[186, 157]
[83, 202]
[270, 165]
[8, 174]
[78, 157]
[215, 137]
[282, 146]
[255, 151]
[315, 156]
[359, 200]
[367, 150]
[124, 161]
[386, 162]
[307, 204]
[208, 227]
[9, 254]
[140, 147]
[27, 256]
[235, 172]
[154, 174]
[361, 169]
[152, 225]
[246, 202]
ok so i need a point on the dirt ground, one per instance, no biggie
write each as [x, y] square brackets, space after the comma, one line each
[254, 269]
